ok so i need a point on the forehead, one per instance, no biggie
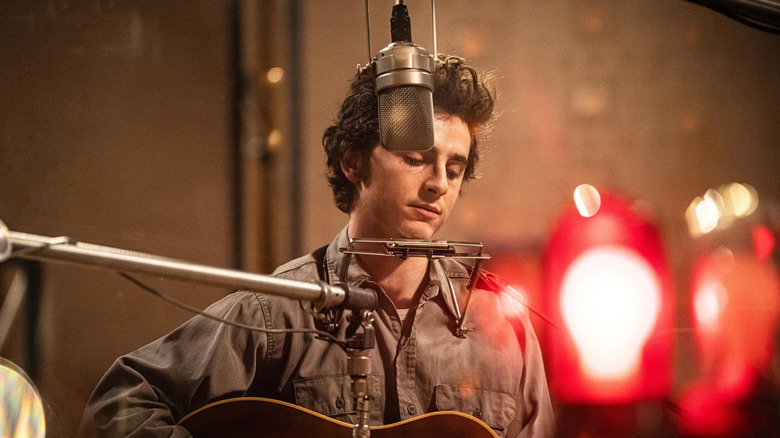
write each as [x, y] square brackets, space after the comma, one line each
[451, 135]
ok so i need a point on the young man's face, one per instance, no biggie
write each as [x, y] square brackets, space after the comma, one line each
[409, 195]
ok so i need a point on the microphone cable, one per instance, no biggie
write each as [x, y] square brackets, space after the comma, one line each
[180, 304]
[190, 308]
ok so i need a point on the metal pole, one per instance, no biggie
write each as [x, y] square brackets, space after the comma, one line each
[30, 246]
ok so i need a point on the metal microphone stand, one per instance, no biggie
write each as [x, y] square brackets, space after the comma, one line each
[359, 347]
[321, 294]
[361, 337]
[65, 249]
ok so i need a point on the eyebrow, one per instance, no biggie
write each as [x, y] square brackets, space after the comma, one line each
[459, 158]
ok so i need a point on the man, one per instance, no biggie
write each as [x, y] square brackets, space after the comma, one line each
[420, 363]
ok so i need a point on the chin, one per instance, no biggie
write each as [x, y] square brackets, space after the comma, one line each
[418, 233]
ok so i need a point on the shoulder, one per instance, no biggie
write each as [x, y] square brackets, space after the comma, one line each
[301, 268]
[497, 297]
[244, 303]
[490, 281]
[305, 269]
[462, 269]
[483, 280]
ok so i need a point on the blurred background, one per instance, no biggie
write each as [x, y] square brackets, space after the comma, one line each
[193, 130]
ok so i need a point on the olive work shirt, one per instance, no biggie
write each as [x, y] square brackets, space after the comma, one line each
[419, 365]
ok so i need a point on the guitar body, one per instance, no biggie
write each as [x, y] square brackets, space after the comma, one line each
[266, 418]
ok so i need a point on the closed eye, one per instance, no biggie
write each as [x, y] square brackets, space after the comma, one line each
[413, 161]
[455, 169]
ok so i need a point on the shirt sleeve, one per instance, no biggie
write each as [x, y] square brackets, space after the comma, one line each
[535, 417]
[146, 392]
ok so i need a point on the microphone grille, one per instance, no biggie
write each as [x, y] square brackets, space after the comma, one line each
[406, 118]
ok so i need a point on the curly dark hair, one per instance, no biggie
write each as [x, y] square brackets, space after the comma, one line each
[458, 91]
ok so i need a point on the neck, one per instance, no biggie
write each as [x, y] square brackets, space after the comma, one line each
[401, 279]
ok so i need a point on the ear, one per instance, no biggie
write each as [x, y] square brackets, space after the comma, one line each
[352, 165]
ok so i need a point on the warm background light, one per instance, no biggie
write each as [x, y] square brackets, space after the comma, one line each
[718, 208]
[587, 200]
[275, 75]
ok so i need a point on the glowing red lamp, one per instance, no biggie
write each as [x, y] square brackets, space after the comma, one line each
[736, 311]
[608, 290]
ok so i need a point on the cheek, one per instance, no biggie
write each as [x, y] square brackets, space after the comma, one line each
[456, 188]
[387, 193]
[452, 196]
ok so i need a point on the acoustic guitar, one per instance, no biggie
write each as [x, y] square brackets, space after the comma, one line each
[257, 417]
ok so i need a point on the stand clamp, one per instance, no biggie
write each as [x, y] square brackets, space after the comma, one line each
[359, 347]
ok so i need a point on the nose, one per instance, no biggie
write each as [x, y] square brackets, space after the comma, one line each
[437, 182]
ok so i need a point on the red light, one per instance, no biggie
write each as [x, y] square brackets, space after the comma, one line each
[736, 304]
[610, 300]
[519, 268]
[708, 302]
[735, 297]
[763, 241]
[514, 302]
[608, 290]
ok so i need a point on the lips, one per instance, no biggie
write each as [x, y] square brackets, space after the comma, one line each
[427, 211]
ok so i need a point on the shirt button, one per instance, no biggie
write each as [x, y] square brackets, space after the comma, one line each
[411, 409]
[339, 403]
[477, 413]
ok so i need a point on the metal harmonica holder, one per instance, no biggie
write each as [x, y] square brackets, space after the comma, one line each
[415, 248]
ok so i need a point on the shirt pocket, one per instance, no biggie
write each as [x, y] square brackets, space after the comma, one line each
[496, 409]
[332, 396]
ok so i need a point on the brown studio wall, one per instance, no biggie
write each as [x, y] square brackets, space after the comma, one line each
[114, 121]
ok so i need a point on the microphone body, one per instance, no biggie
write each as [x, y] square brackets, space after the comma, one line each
[404, 86]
